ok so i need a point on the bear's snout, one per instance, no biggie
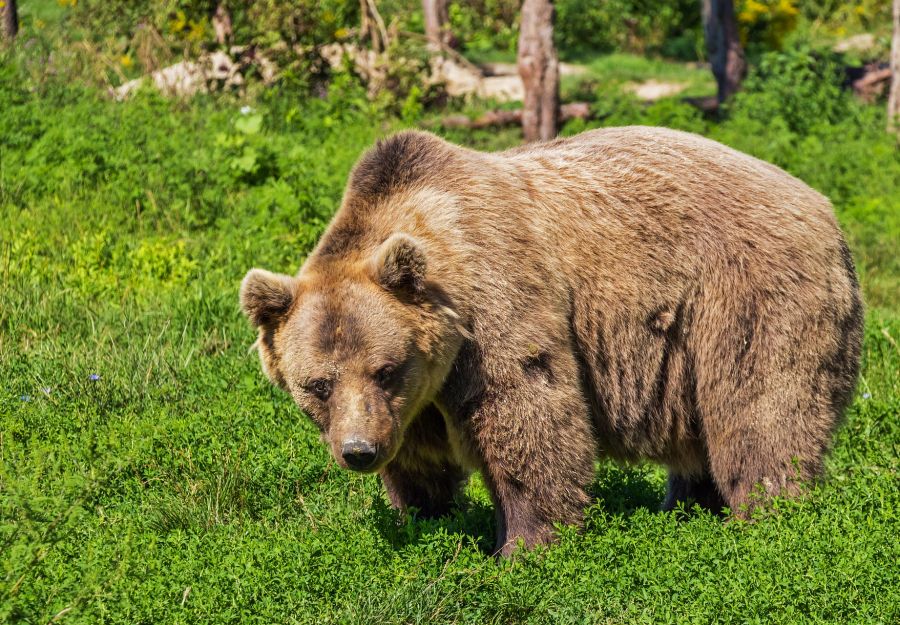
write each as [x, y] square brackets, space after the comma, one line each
[359, 454]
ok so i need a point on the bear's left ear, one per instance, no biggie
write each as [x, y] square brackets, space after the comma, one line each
[399, 264]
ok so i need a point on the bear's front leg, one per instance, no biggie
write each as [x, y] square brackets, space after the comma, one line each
[424, 474]
[537, 452]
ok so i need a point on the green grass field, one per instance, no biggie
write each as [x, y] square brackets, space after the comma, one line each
[149, 473]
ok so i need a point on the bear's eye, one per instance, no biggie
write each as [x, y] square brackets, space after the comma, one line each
[386, 376]
[321, 388]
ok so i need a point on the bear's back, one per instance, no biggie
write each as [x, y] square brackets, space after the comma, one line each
[656, 201]
[689, 171]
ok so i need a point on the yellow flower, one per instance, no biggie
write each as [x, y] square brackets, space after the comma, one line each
[757, 8]
[197, 31]
[178, 23]
[752, 11]
[786, 7]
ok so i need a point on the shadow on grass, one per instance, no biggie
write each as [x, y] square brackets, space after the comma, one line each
[471, 519]
[617, 490]
[623, 489]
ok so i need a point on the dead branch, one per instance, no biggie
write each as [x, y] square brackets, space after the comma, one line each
[872, 83]
[573, 110]
[373, 26]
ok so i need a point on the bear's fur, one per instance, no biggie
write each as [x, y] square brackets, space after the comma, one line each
[637, 293]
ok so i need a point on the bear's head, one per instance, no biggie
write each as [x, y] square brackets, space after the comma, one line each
[362, 344]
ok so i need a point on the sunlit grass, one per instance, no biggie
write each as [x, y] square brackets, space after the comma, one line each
[149, 473]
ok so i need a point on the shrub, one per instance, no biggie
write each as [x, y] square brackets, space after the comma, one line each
[629, 25]
[765, 23]
[800, 87]
[486, 26]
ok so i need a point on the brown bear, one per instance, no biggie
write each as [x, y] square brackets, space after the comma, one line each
[634, 293]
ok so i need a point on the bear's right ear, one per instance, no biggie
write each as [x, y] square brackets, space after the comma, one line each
[266, 296]
[399, 264]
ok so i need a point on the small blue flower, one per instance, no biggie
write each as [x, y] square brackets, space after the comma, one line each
[25, 398]
[94, 377]
[867, 395]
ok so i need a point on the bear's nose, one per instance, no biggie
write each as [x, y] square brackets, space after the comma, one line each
[359, 454]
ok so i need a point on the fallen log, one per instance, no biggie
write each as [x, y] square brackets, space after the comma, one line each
[708, 105]
[573, 110]
[872, 84]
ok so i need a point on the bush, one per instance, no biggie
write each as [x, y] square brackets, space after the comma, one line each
[765, 24]
[188, 22]
[840, 17]
[800, 89]
[488, 27]
[639, 26]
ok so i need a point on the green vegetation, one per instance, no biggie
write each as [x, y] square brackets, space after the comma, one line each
[150, 474]
[613, 72]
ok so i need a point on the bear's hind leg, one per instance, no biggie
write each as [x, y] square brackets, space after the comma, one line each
[769, 447]
[770, 387]
[751, 467]
[689, 490]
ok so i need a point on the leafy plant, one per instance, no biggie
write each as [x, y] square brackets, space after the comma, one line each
[801, 87]
[766, 23]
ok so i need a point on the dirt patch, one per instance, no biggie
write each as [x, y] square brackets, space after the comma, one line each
[652, 90]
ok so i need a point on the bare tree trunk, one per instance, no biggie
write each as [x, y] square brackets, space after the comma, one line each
[9, 19]
[221, 21]
[437, 25]
[539, 69]
[723, 44]
[893, 110]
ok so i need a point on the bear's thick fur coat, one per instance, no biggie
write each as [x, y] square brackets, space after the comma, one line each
[635, 293]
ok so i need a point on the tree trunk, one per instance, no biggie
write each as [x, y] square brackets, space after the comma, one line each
[437, 25]
[372, 26]
[221, 22]
[893, 110]
[539, 69]
[723, 45]
[9, 19]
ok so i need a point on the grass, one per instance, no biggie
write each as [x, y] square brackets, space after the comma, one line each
[619, 69]
[180, 487]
